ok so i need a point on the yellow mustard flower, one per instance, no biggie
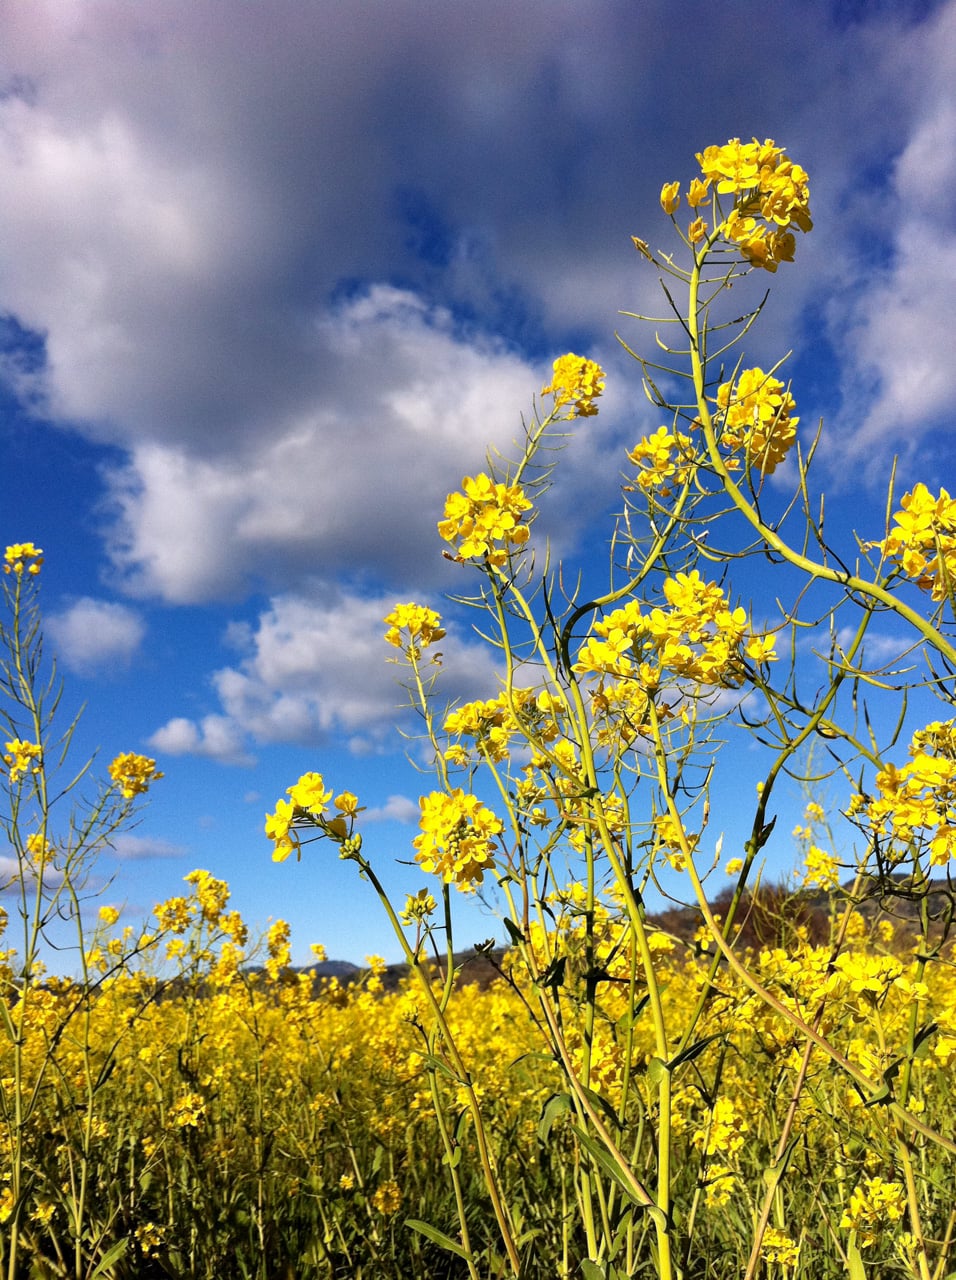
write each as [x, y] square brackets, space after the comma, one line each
[670, 197]
[133, 774]
[20, 556]
[757, 420]
[484, 519]
[412, 626]
[578, 382]
[456, 837]
[22, 757]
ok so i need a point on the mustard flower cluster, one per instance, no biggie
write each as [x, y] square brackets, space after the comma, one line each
[771, 196]
[778, 1246]
[917, 803]
[666, 461]
[576, 381]
[306, 807]
[22, 757]
[484, 520]
[456, 837]
[757, 421]
[873, 1207]
[699, 637]
[923, 540]
[492, 723]
[133, 774]
[22, 556]
[412, 627]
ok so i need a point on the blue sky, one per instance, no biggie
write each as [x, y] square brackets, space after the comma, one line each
[273, 276]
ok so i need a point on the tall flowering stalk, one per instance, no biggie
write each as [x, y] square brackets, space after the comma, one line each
[53, 857]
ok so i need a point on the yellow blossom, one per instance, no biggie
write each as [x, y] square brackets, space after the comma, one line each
[576, 381]
[133, 773]
[20, 556]
[22, 757]
[484, 519]
[756, 420]
[670, 197]
[413, 627]
[456, 837]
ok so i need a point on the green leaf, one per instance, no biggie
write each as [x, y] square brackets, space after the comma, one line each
[604, 1160]
[692, 1050]
[592, 1270]
[112, 1255]
[439, 1238]
[514, 933]
[555, 1106]
[656, 1070]
[854, 1258]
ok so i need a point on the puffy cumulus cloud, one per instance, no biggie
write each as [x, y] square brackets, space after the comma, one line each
[181, 195]
[313, 668]
[396, 808]
[355, 480]
[136, 848]
[896, 324]
[215, 737]
[93, 633]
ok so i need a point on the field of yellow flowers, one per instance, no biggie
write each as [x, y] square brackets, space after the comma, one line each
[221, 1120]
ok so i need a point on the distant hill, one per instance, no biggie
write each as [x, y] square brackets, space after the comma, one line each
[767, 918]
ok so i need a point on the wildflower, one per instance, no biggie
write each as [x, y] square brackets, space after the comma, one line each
[821, 869]
[697, 231]
[456, 837]
[211, 894]
[578, 382]
[20, 556]
[698, 192]
[484, 520]
[44, 1211]
[771, 195]
[346, 1182]
[278, 828]
[421, 626]
[310, 794]
[666, 460]
[108, 916]
[20, 758]
[347, 804]
[278, 948]
[670, 197]
[873, 1205]
[918, 800]
[188, 1111]
[174, 915]
[133, 773]
[756, 420]
[387, 1198]
[724, 1132]
[777, 1246]
[923, 540]
[734, 866]
[38, 848]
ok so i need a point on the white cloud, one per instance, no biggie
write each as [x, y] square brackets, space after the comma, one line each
[215, 737]
[134, 848]
[396, 808]
[355, 480]
[92, 634]
[11, 873]
[317, 667]
[895, 324]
